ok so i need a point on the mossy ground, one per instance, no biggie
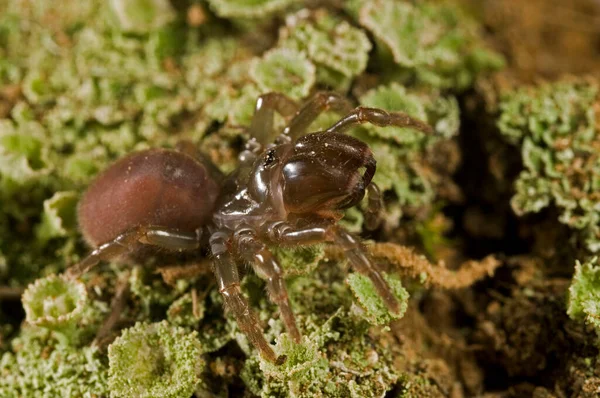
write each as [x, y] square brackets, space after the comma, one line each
[484, 222]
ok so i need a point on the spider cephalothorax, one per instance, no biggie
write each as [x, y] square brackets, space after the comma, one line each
[289, 192]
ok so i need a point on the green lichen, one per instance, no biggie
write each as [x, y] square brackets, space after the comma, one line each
[399, 151]
[55, 302]
[92, 81]
[339, 50]
[111, 93]
[440, 112]
[301, 375]
[38, 367]
[142, 16]
[22, 158]
[247, 8]
[415, 386]
[242, 107]
[584, 293]
[215, 330]
[336, 357]
[285, 71]
[353, 220]
[436, 43]
[555, 125]
[317, 367]
[154, 360]
[181, 312]
[299, 261]
[153, 291]
[375, 310]
[59, 218]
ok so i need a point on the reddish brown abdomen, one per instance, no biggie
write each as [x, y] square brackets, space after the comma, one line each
[153, 187]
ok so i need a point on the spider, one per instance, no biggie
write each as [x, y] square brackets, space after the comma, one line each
[290, 191]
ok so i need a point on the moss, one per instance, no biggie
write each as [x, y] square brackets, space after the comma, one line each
[154, 360]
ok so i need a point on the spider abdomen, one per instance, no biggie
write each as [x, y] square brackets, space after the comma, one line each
[154, 187]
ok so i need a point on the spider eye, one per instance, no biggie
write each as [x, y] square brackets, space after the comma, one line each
[270, 157]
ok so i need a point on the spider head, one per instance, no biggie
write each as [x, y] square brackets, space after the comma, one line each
[326, 171]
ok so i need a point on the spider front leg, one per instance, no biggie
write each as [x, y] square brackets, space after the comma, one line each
[379, 118]
[266, 267]
[318, 104]
[165, 238]
[374, 207]
[228, 280]
[261, 127]
[288, 234]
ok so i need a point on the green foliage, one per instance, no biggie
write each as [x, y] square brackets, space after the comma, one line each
[436, 43]
[38, 367]
[555, 125]
[584, 293]
[154, 360]
[375, 310]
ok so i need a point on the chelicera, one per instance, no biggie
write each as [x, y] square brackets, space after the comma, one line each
[288, 190]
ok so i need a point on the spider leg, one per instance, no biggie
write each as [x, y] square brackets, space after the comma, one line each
[261, 127]
[319, 103]
[166, 238]
[266, 267]
[287, 234]
[380, 118]
[228, 280]
[374, 207]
